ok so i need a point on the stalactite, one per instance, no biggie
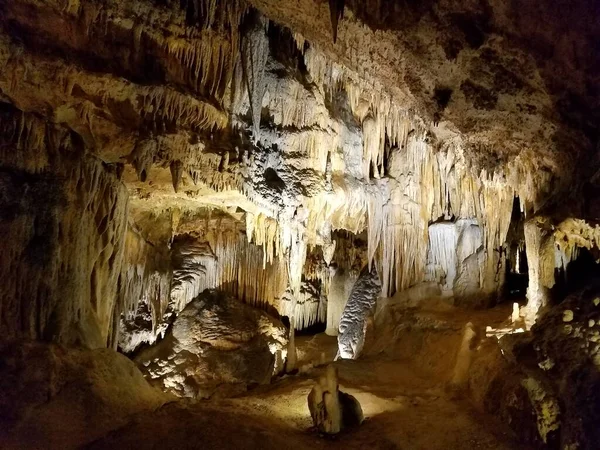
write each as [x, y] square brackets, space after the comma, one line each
[336, 10]
[176, 168]
[194, 265]
[145, 286]
[255, 52]
[443, 241]
[296, 258]
[219, 255]
[142, 157]
[374, 140]
[205, 63]
[306, 308]
[65, 237]
[163, 107]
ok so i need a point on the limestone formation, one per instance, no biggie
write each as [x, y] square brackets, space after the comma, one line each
[331, 409]
[216, 345]
[353, 323]
[272, 149]
[355, 161]
[455, 260]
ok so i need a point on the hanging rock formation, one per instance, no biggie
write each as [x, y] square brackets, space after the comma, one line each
[271, 149]
[336, 11]
[353, 324]
[222, 107]
[255, 52]
[455, 261]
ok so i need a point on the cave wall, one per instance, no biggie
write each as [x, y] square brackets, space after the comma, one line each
[63, 223]
[73, 262]
[144, 292]
[222, 106]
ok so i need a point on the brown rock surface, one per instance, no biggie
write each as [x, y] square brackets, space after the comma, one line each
[53, 397]
[215, 345]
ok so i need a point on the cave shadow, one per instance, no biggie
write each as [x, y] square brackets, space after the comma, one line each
[580, 273]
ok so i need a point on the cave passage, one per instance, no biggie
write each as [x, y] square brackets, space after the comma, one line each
[299, 224]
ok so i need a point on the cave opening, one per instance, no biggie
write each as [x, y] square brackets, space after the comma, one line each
[517, 270]
[311, 330]
[581, 272]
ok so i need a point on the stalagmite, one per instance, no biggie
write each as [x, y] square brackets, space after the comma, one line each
[331, 409]
[464, 356]
[397, 151]
[290, 363]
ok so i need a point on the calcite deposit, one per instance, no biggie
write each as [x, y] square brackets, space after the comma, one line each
[331, 409]
[216, 341]
[274, 150]
[244, 109]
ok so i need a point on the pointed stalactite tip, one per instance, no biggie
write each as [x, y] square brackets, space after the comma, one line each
[336, 11]
[176, 174]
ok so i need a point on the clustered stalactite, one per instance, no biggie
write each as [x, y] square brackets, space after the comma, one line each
[336, 10]
[64, 241]
[397, 237]
[144, 292]
[204, 96]
[164, 162]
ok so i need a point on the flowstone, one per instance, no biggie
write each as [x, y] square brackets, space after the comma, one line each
[353, 324]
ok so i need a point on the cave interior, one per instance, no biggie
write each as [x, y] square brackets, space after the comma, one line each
[300, 224]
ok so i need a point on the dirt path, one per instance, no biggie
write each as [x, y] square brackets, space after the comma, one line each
[403, 410]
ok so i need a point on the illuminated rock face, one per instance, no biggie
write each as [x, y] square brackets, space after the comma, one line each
[151, 150]
[216, 341]
[331, 409]
[221, 107]
[249, 108]
[455, 261]
[340, 287]
[353, 324]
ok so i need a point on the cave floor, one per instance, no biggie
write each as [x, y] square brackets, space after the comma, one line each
[404, 409]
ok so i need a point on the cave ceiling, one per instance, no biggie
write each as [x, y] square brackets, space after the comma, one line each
[253, 106]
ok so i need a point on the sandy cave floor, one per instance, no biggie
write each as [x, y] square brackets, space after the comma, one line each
[404, 409]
